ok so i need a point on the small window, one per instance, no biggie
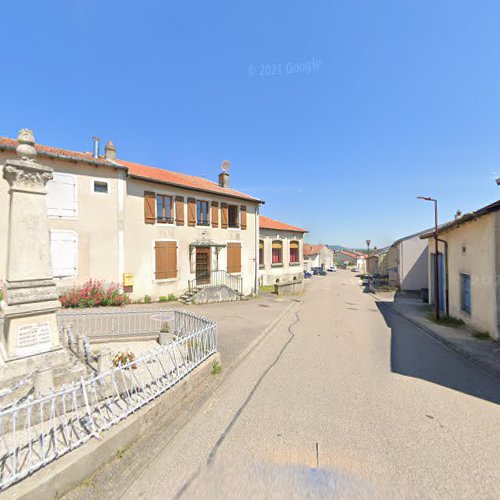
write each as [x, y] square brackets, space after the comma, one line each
[100, 187]
[465, 293]
[164, 208]
[202, 217]
[233, 216]
[294, 252]
[277, 252]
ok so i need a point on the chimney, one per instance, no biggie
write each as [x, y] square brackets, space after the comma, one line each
[95, 153]
[224, 175]
[458, 214]
[110, 151]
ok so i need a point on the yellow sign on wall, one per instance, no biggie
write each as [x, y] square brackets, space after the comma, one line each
[128, 279]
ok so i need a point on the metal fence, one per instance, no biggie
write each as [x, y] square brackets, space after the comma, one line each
[97, 324]
[36, 432]
[216, 278]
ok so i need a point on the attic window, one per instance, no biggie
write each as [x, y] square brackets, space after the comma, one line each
[100, 187]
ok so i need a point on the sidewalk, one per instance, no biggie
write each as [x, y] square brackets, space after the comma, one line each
[483, 353]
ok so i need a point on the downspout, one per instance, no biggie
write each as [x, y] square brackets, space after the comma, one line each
[256, 260]
[447, 304]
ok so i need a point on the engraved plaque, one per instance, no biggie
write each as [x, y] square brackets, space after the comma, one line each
[33, 338]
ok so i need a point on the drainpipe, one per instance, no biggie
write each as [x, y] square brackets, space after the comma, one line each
[256, 260]
[447, 304]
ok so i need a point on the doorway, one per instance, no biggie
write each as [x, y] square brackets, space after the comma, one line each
[203, 266]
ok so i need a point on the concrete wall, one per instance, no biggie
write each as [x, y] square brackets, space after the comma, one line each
[269, 272]
[413, 264]
[311, 261]
[326, 257]
[96, 221]
[472, 249]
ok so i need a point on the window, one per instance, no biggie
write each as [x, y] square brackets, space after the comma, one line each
[101, 187]
[233, 214]
[165, 260]
[465, 293]
[234, 258]
[277, 252]
[64, 253]
[164, 208]
[262, 262]
[294, 252]
[202, 217]
[61, 196]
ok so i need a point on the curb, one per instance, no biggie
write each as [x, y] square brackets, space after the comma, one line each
[445, 343]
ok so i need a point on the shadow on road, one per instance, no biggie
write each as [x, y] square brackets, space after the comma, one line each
[415, 354]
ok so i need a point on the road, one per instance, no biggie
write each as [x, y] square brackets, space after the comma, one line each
[343, 399]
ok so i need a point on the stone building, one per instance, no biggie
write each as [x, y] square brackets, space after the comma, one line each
[110, 218]
[280, 251]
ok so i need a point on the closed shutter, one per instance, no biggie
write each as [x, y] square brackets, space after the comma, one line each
[215, 214]
[234, 258]
[61, 196]
[243, 217]
[224, 215]
[149, 207]
[165, 260]
[64, 253]
[179, 210]
[191, 212]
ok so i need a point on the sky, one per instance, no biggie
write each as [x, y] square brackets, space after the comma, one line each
[337, 113]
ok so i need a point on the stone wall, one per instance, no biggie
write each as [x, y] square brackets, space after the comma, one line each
[212, 294]
[289, 287]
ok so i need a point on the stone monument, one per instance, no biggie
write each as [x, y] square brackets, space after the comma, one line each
[30, 304]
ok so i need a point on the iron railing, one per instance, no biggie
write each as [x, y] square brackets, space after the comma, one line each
[216, 278]
[38, 431]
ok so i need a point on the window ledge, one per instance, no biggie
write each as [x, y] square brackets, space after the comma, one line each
[262, 266]
[294, 264]
[277, 265]
[203, 224]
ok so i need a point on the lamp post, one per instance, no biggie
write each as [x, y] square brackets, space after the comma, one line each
[436, 254]
[367, 254]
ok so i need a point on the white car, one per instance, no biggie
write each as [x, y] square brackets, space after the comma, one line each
[332, 269]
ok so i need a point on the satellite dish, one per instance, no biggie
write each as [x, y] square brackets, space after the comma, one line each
[225, 165]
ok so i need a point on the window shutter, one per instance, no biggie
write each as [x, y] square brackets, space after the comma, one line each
[215, 214]
[64, 253]
[165, 260]
[191, 212]
[234, 258]
[149, 207]
[243, 217]
[61, 196]
[225, 215]
[179, 210]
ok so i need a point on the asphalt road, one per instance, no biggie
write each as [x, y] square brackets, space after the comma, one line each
[343, 399]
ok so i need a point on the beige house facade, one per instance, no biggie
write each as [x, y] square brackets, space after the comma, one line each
[111, 219]
[469, 266]
[318, 256]
[280, 252]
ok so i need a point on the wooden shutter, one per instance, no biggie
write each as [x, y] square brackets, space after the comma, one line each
[224, 215]
[215, 214]
[191, 212]
[234, 258]
[243, 217]
[149, 207]
[179, 210]
[165, 259]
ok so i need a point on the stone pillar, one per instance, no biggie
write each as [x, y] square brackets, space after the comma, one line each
[30, 325]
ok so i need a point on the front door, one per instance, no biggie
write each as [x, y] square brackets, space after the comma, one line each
[202, 266]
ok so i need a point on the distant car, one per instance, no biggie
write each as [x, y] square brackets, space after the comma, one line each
[332, 269]
[319, 272]
[354, 270]
[307, 274]
[367, 279]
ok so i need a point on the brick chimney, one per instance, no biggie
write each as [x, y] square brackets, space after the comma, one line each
[110, 151]
[224, 179]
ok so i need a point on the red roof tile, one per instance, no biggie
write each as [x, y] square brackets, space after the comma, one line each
[312, 249]
[267, 223]
[152, 174]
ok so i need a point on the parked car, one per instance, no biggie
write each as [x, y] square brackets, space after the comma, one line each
[319, 271]
[367, 279]
[354, 270]
[307, 274]
[332, 269]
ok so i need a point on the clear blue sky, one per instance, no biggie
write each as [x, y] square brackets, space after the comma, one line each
[402, 99]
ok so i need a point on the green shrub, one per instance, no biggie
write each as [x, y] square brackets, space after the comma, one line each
[147, 299]
[167, 298]
[171, 296]
[216, 368]
[162, 298]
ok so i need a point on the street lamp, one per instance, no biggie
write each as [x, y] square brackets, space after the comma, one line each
[436, 270]
[367, 254]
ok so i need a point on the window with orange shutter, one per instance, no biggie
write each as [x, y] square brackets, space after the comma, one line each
[165, 260]
[234, 258]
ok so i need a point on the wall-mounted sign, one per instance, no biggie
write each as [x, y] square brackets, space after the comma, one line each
[33, 338]
[128, 279]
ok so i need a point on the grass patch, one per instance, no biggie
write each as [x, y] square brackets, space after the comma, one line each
[267, 288]
[481, 335]
[446, 320]
[216, 368]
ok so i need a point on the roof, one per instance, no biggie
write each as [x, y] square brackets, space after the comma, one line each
[312, 249]
[268, 223]
[492, 207]
[414, 235]
[356, 255]
[136, 170]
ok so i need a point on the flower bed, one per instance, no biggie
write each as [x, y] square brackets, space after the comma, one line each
[94, 293]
